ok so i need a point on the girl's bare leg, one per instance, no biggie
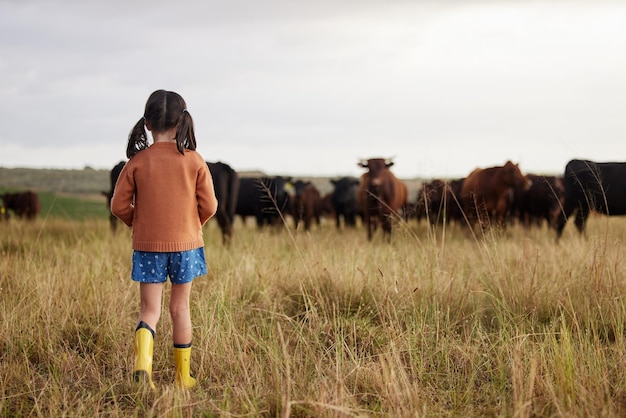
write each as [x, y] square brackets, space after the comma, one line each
[179, 309]
[151, 294]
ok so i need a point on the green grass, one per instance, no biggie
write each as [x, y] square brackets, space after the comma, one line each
[73, 207]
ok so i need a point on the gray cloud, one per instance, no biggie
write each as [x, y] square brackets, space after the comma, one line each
[310, 87]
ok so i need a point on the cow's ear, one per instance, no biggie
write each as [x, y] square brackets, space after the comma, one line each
[389, 164]
[362, 164]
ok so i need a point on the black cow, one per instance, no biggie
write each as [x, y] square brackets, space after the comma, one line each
[591, 186]
[439, 201]
[344, 200]
[542, 201]
[454, 207]
[226, 184]
[115, 173]
[23, 204]
[265, 198]
[429, 203]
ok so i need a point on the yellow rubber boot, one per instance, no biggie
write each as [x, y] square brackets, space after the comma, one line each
[144, 344]
[182, 357]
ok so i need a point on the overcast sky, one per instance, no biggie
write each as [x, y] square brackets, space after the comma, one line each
[310, 87]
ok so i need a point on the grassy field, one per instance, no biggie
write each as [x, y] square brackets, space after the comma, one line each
[322, 324]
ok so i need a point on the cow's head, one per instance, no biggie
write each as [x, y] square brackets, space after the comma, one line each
[375, 164]
[10, 200]
[298, 186]
[344, 184]
[376, 167]
[345, 190]
[514, 177]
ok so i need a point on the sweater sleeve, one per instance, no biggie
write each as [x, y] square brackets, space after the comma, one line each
[122, 200]
[205, 194]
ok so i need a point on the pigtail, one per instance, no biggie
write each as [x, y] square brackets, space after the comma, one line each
[185, 135]
[137, 139]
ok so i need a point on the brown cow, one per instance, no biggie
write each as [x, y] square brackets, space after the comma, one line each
[24, 204]
[307, 204]
[487, 193]
[381, 195]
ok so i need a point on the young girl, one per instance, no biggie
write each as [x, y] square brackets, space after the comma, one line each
[165, 193]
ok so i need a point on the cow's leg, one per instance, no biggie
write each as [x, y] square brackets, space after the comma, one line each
[502, 208]
[387, 225]
[221, 221]
[228, 236]
[368, 225]
[553, 218]
[113, 222]
[581, 219]
[484, 221]
[564, 214]
[560, 224]
[297, 214]
[472, 213]
[482, 217]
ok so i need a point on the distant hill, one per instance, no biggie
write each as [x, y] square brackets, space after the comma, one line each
[86, 181]
[90, 181]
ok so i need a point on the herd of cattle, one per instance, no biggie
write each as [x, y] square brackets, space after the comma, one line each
[494, 195]
[486, 197]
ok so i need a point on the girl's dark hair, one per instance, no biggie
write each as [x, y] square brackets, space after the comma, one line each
[164, 110]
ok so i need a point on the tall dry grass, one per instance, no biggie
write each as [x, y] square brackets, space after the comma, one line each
[323, 324]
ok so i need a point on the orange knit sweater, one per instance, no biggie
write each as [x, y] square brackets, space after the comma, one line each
[165, 197]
